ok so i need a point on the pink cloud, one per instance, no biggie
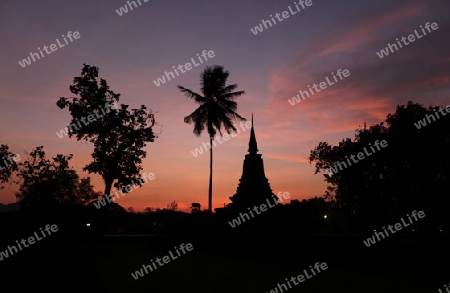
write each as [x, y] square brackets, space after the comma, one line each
[374, 87]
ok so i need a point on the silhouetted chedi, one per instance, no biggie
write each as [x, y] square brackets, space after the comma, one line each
[254, 188]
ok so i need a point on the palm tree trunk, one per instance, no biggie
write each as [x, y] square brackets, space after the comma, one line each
[210, 173]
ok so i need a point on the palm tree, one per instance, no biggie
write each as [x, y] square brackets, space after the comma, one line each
[216, 111]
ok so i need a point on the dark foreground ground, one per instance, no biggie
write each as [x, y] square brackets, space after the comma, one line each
[221, 265]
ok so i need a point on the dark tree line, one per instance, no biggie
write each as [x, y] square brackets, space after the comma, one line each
[411, 173]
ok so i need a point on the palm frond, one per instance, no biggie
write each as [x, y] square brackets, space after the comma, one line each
[191, 94]
[233, 95]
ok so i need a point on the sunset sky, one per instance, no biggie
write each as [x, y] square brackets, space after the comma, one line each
[136, 48]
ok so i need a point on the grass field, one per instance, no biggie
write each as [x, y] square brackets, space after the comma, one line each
[219, 265]
[246, 268]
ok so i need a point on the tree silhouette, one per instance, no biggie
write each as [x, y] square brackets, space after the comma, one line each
[46, 182]
[411, 173]
[118, 134]
[149, 210]
[173, 206]
[216, 111]
[8, 164]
